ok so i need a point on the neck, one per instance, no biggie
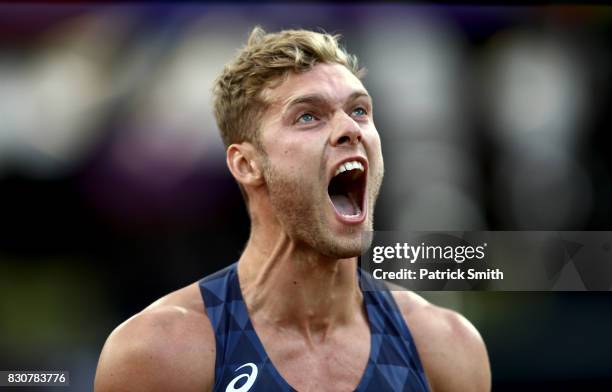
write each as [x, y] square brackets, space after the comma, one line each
[289, 285]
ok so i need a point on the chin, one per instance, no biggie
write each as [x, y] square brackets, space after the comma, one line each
[347, 243]
[338, 249]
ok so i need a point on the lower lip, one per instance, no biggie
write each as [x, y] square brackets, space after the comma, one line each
[351, 219]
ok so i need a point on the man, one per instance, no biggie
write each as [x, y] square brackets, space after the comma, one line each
[291, 314]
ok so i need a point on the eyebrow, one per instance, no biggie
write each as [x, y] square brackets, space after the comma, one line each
[320, 99]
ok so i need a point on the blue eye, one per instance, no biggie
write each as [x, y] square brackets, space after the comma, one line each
[360, 112]
[306, 118]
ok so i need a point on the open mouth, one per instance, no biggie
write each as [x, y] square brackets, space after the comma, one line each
[347, 190]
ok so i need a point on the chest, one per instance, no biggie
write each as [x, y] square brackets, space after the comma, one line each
[333, 363]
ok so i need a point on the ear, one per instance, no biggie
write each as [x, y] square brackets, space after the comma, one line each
[244, 163]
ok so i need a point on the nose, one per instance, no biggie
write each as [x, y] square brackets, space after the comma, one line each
[346, 131]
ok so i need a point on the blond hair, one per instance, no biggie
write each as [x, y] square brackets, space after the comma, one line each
[262, 63]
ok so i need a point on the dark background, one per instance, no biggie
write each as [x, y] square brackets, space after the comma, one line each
[114, 191]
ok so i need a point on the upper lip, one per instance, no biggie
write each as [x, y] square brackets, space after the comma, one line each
[359, 158]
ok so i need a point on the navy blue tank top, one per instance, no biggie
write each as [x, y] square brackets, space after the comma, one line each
[242, 364]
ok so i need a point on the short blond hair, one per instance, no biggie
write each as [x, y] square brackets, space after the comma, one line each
[264, 61]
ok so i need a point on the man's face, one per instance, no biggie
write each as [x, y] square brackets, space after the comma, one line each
[323, 165]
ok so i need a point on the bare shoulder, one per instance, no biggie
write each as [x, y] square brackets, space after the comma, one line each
[170, 345]
[451, 349]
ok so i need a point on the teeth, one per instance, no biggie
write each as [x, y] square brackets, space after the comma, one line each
[347, 166]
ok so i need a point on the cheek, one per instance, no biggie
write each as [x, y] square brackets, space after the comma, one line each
[285, 159]
[290, 170]
[374, 151]
[293, 153]
[280, 152]
[373, 141]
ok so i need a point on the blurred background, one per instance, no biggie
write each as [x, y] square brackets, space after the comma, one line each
[114, 191]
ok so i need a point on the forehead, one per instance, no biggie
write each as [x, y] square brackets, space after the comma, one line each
[332, 81]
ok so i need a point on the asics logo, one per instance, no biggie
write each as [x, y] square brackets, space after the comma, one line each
[250, 379]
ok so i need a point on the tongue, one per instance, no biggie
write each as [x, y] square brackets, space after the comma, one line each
[344, 205]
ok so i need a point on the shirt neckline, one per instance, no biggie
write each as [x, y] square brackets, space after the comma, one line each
[368, 370]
